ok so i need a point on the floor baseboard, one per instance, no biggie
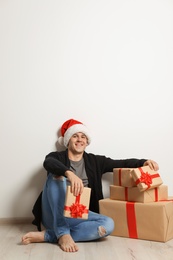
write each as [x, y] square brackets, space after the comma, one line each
[15, 221]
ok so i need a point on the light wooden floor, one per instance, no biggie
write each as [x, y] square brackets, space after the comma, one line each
[110, 248]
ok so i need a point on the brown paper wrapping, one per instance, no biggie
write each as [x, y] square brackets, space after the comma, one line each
[144, 185]
[154, 221]
[123, 177]
[133, 194]
[71, 200]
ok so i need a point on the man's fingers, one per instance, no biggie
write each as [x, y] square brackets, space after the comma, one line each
[152, 164]
[76, 188]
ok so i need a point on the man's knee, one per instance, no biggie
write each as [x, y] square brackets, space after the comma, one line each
[107, 228]
[60, 178]
[101, 231]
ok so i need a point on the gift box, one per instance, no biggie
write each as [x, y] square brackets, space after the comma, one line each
[145, 178]
[123, 177]
[149, 221]
[133, 194]
[77, 206]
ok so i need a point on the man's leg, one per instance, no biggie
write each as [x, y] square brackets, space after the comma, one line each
[66, 231]
[95, 227]
[57, 229]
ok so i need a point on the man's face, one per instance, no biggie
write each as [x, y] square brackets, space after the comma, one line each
[78, 143]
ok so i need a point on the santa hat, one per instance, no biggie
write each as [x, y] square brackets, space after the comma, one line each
[69, 128]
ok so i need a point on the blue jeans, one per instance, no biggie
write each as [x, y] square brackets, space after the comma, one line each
[56, 224]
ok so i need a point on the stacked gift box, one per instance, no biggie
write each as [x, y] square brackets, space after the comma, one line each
[139, 205]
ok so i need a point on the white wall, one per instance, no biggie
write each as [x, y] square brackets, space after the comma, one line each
[107, 63]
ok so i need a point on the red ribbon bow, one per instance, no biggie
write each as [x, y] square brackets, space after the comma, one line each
[146, 178]
[77, 209]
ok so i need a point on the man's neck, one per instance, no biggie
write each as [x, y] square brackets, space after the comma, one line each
[75, 157]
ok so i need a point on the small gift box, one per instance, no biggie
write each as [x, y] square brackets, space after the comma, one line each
[122, 177]
[77, 206]
[149, 221]
[133, 194]
[145, 178]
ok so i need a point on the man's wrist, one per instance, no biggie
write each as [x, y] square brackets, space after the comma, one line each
[68, 173]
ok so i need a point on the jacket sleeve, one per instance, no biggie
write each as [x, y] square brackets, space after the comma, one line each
[109, 164]
[55, 165]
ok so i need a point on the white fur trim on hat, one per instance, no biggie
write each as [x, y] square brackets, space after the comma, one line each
[75, 129]
[61, 140]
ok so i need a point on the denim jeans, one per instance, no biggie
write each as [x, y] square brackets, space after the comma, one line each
[56, 224]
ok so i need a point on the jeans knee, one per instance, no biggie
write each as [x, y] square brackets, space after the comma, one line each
[107, 228]
[102, 231]
[110, 225]
[58, 178]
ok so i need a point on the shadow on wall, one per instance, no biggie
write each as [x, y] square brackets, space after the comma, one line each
[28, 195]
[107, 180]
[59, 147]
[57, 144]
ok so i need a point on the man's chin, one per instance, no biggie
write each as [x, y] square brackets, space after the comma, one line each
[79, 150]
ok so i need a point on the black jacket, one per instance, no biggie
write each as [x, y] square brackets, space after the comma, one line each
[95, 165]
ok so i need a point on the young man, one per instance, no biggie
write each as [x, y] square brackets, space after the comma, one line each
[76, 168]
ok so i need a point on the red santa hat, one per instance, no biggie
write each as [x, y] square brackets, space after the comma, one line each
[69, 128]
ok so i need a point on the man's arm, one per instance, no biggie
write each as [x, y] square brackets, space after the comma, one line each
[109, 164]
[55, 166]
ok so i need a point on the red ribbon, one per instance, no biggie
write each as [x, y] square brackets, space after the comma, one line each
[166, 200]
[146, 178]
[131, 219]
[76, 209]
[156, 194]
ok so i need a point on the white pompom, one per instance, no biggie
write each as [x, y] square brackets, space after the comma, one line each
[61, 140]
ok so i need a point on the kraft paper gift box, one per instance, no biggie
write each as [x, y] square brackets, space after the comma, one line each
[149, 221]
[77, 206]
[123, 177]
[133, 194]
[145, 178]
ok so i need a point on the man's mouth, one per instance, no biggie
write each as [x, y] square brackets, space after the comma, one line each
[79, 144]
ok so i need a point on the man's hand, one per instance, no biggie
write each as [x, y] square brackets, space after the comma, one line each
[76, 183]
[152, 164]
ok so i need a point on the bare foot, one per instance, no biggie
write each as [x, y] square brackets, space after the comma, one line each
[33, 237]
[67, 244]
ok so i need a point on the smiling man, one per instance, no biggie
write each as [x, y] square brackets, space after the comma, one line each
[78, 169]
